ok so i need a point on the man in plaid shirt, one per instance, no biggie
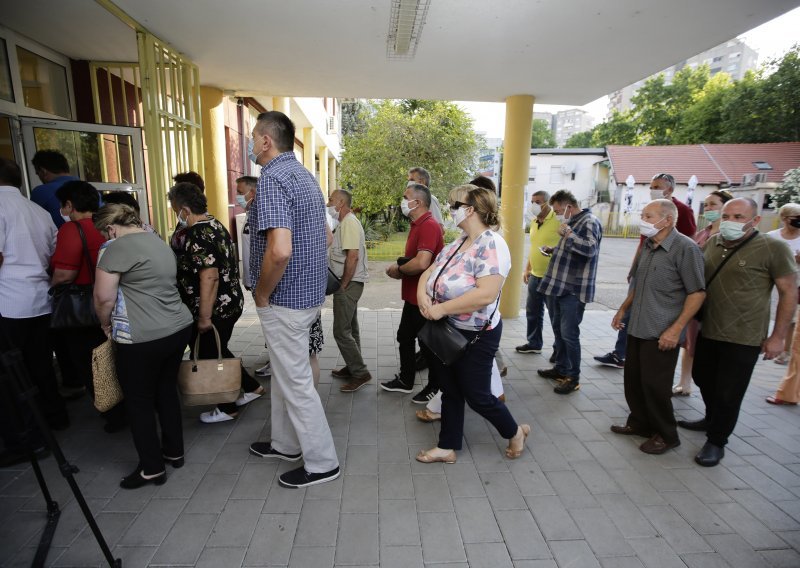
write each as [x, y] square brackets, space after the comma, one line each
[569, 285]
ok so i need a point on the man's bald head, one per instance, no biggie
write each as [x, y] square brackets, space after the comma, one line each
[740, 209]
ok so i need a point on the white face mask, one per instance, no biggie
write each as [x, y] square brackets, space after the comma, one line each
[333, 212]
[534, 209]
[649, 229]
[563, 217]
[66, 218]
[405, 208]
[181, 220]
[656, 194]
[459, 215]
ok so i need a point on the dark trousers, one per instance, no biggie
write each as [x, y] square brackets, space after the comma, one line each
[147, 373]
[621, 346]
[208, 350]
[566, 315]
[648, 387]
[722, 370]
[32, 337]
[410, 323]
[469, 380]
[534, 313]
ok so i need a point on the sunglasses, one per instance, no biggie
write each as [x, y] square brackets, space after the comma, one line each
[459, 204]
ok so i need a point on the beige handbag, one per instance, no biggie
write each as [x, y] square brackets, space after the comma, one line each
[107, 392]
[209, 381]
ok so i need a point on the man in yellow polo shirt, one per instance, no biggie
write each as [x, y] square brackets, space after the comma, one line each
[544, 233]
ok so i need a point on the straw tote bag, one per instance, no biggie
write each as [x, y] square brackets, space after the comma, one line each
[210, 381]
[107, 392]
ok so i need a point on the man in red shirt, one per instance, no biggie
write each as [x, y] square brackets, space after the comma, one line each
[425, 240]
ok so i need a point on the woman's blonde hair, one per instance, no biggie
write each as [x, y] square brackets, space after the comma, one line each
[483, 201]
[789, 210]
[115, 214]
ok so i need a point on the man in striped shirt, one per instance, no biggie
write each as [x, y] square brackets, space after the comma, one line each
[569, 285]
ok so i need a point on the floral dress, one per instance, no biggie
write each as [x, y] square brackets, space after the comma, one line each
[208, 245]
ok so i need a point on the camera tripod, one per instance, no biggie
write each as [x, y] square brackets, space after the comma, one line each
[18, 390]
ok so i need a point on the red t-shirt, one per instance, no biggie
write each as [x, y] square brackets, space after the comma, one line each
[69, 249]
[425, 234]
[685, 223]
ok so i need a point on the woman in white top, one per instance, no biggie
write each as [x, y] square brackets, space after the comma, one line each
[790, 234]
[463, 284]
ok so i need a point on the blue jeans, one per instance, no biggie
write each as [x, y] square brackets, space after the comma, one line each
[534, 311]
[566, 314]
[621, 346]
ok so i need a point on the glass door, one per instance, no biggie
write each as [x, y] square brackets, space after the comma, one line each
[111, 158]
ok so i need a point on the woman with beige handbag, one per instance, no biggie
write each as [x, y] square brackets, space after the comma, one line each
[138, 305]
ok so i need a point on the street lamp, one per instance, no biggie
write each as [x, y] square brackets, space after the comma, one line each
[630, 182]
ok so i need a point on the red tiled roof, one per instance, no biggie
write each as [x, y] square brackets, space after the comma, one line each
[711, 163]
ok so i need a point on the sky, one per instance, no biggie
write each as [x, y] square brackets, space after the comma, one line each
[771, 39]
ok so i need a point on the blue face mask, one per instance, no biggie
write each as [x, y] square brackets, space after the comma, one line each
[240, 199]
[253, 157]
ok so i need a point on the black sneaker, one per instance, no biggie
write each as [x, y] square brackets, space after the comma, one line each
[550, 374]
[301, 478]
[611, 360]
[265, 450]
[567, 385]
[528, 348]
[425, 395]
[396, 385]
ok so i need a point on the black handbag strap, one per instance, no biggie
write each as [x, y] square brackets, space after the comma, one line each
[86, 255]
[488, 321]
[727, 258]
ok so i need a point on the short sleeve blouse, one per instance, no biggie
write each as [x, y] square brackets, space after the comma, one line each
[488, 255]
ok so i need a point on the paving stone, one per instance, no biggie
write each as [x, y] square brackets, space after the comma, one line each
[441, 539]
[487, 555]
[362, 460]
[217, 557]
[357, 543]
[747, 526]
[704, 560]
[272, 540]
[464, 481]
[602, 536]
[154, 522]
[318, 523]
[401, 557]
[763, 510]
[236, 523]
[360, 494]
[626, 516]
[737, 552]
[676, 531]
[621, 562]
[573, 553]
[312, 557]
[696, 513]
[398, 524]
[254, 481]
[553, 519]
[656, 553]
[781, 558]
[185, 540]
[569, 487]
[84, 550]
[476, 520]
[432, 494]
[212, 493]
[395, 481]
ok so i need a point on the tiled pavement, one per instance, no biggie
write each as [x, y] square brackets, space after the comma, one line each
[579, 496]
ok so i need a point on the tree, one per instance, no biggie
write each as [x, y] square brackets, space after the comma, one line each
[580, 140]
[789, 189]
[542, 135]
[701, 121]
[354, 116]
[435, 135]
[620, 129]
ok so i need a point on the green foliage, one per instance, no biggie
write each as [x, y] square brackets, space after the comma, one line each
[542, 135]
[436, 135]
[789, 189]
[580, 140]
[354, 116]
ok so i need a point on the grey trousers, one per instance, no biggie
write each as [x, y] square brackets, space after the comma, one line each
[298, 419]
[345, 327]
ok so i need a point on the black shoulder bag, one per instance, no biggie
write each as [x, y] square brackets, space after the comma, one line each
[444, 340]
[699, 315]
[73, 304]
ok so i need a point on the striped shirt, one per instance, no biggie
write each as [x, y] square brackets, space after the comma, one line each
[573, 268]
[664, 275]
[288, 197]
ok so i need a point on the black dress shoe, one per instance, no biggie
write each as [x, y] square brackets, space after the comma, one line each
[709, 455]
[174, 462]
[135, 480]
[696, 425]
[549, 374]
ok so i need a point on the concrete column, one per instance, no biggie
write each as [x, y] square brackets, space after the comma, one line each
[215, 172]
[309, 149]
[282, 104]
[516, 163]
[332, 185]
[323, 171]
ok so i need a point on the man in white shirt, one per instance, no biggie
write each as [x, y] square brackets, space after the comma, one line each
[27, 241]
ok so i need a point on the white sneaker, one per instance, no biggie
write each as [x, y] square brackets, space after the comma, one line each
[265, 371]
[215, 416]
[247, 398]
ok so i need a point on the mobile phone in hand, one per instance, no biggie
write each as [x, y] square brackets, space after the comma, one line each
[546, 251]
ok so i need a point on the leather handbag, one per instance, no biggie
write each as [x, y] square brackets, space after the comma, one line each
[209, 381]
[73, 304]
[333, 283]
[107, 391]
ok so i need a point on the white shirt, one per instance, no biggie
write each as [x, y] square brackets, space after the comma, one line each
[27, 241]
[794, 244]
[436, 210]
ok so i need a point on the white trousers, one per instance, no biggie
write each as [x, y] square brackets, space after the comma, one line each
[435, 404]
[298, 418]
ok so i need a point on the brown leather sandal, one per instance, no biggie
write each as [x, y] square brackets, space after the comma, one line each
[514, 451]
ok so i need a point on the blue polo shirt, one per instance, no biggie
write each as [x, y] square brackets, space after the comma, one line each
[45, 196]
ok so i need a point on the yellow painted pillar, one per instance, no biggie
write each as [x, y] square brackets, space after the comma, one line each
[332, 174]
[516, 163]
[323, 171]
[215, 172]
[282, 104]
[309, 150]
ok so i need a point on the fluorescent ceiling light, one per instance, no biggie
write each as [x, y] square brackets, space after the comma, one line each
[405, 27]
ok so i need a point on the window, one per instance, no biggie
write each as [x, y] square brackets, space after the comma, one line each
[736, 55]
[715, 70]
[733, 67]
[556, 175]
[532, 173]
[762, 165]
[717, 59]
[6, 89]
[44, 84]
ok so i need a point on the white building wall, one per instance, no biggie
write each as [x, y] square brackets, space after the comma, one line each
[573, 172]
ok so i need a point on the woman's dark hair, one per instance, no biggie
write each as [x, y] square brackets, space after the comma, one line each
[484, 182]
[122, 197]
[191, 177]
[724, 196]
[83, 196]
[188, 195]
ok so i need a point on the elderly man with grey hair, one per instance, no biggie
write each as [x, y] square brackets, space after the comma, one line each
[736, 319]
[667, 290]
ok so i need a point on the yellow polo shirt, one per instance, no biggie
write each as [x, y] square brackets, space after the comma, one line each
[544, 235]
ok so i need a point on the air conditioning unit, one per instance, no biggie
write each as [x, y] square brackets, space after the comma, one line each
[753, 179]
[331, 125]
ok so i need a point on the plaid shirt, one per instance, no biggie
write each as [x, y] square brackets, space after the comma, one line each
[573, 268]
[288, 196]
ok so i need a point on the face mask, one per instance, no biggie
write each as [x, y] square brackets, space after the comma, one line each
[333, 212]
[656, 194]
[731, 230]
[240, 199]
[649, 229]
[66, 218]
[711, 216]
[405, 208]
[534, 209]
[563, 217]
[250, 147]
[458, 215]
[795, 223]
[181, 221]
